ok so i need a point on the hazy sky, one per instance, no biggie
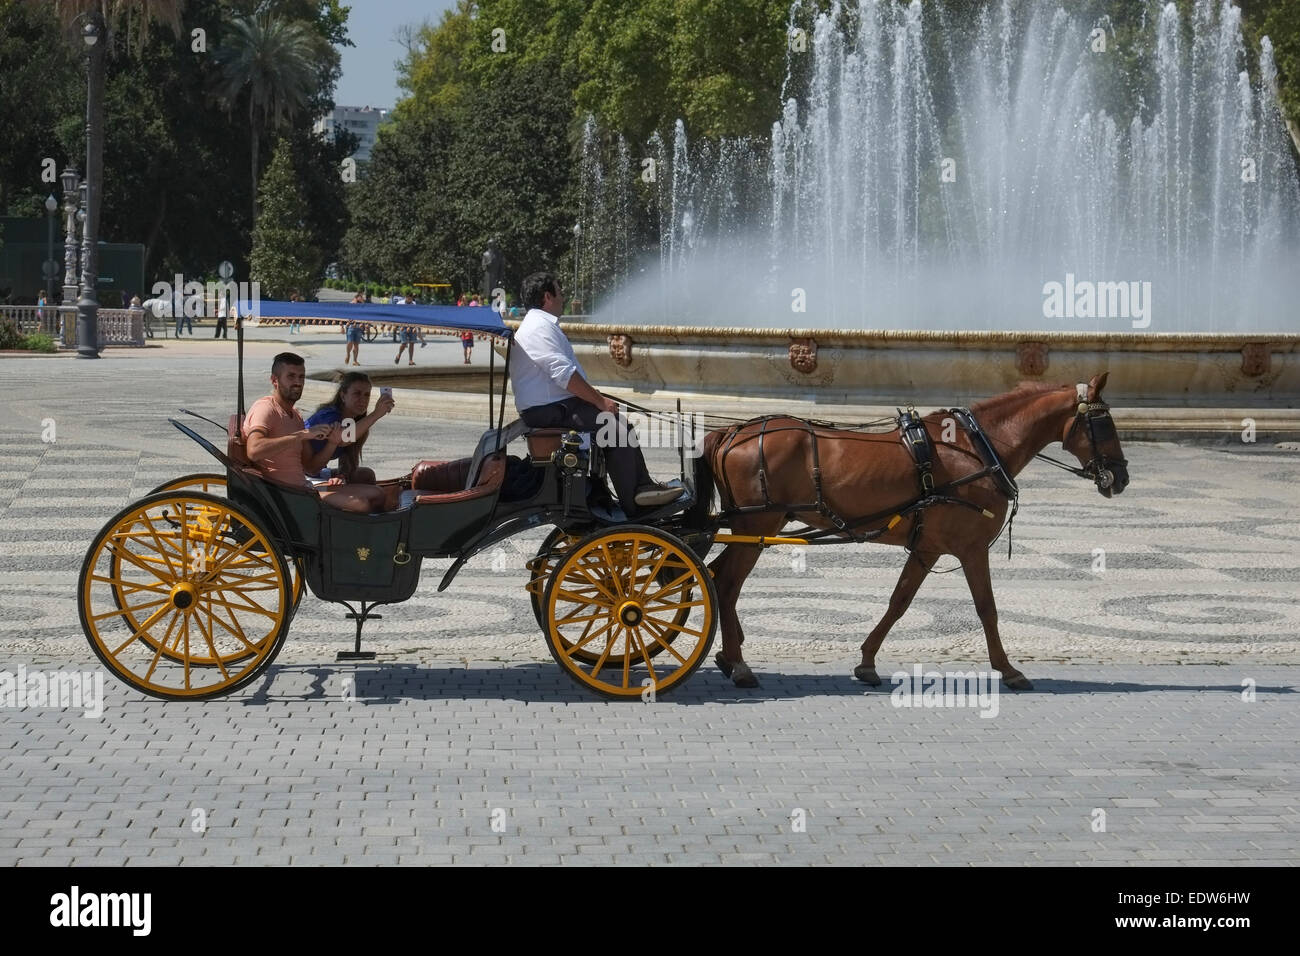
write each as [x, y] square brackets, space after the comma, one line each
[369, 77]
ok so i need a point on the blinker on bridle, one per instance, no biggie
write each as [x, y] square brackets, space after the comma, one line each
[1095, 416]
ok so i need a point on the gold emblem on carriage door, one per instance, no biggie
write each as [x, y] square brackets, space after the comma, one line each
[363, 553]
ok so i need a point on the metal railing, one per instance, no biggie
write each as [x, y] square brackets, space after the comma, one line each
[117, 327]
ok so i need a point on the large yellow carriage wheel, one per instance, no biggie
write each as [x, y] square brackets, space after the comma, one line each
[639, 606]
[183, 596]
[215, 484]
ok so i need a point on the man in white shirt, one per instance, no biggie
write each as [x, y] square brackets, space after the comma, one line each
[551, 391]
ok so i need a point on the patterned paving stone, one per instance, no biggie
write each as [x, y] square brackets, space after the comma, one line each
[464, 743]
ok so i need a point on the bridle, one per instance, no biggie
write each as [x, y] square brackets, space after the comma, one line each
[1095, 416]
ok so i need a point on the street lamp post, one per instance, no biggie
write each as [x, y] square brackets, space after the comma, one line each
[51, 268]
[88, 304]
[70, 180]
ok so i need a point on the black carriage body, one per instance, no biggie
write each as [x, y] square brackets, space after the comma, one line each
[377, 557]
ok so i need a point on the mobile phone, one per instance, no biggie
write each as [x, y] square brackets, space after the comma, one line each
[385, 392]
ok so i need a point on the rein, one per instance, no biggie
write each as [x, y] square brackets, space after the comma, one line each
[1095, 416]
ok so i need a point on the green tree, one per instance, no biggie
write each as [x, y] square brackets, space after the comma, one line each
[284, 257]
[403, 225]
[103, 17]
[38, 70]
[268, 62]
[1279, 20]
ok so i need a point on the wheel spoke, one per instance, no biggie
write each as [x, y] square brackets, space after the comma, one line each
[129, 608]
[578, 569]
[645, 655]
[663, 556]
[142, 628]
[207, 637]
[252, 607]
[671, 606]
[139, 561]
[609, 646]
[658, 637]
[569, 651]
[130, 587]
[685, 575]
[157, 654]
[573, 619]
[153, 531]
[233, 627]
[613, 568]
[573, 597]
[679, 628]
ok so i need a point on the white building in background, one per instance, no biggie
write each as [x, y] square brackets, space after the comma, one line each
[362, 121]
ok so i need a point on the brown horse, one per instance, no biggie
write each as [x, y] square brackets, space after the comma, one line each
[867, 479]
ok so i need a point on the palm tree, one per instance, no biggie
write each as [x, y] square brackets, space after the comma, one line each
[272, 63]
[105, 16]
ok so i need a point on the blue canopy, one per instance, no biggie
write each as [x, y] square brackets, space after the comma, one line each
[383, 316]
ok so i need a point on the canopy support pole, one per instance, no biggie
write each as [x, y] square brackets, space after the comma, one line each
[239, 348]
[505, 380]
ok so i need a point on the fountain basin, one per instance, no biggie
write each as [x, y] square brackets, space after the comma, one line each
[1192, 384]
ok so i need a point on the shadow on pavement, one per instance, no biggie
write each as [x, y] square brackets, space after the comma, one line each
[544, 683]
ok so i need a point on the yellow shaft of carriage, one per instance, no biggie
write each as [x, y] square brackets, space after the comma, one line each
[758, 539]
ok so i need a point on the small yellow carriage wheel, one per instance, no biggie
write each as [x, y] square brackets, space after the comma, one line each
[629, 609]
[183, 596]
[541, 566]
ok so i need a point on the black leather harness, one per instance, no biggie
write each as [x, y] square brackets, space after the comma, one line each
[920, 447]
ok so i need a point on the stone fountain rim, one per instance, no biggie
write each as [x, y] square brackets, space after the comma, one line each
[904, 338]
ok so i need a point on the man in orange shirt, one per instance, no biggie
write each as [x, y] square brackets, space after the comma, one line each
[277, 441]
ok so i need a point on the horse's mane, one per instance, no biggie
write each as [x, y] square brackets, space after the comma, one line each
[1016, 394]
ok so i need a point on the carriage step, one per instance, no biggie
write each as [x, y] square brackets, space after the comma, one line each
[342, 656]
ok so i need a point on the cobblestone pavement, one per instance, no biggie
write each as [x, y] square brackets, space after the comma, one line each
[1139, 619]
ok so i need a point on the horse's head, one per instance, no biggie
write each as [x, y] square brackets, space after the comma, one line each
[1091, 437]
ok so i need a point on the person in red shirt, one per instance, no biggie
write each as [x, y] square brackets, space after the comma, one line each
[279, 443]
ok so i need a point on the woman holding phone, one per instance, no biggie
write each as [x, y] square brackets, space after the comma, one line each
[350, 403]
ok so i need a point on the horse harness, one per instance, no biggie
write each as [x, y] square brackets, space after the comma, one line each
[920, 448]
[1094, 416]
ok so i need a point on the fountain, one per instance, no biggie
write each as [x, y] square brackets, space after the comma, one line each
[1019, 181]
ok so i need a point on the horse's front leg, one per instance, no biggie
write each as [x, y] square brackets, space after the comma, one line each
[909, 582]
[729, 572]
[975, 565]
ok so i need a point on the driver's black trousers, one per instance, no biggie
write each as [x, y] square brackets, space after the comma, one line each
[623, 459]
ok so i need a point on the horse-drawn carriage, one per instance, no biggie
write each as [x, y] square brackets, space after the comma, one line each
[189, 593]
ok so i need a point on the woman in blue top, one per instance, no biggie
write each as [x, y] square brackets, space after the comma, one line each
[349, 404]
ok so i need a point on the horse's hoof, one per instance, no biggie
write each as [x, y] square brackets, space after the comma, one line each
[724, 665]
[867, 675]
[742, 676]
[1018, 682]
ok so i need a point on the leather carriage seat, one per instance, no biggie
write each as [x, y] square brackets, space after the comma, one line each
[544, 442]
[237, 451]
[441, 481]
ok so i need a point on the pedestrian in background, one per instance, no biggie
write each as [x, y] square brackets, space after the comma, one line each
[178, 312]
[223, 309]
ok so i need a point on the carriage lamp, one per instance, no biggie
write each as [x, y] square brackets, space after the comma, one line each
[567, 456]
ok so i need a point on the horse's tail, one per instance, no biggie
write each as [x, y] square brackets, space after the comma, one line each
[704, 483]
